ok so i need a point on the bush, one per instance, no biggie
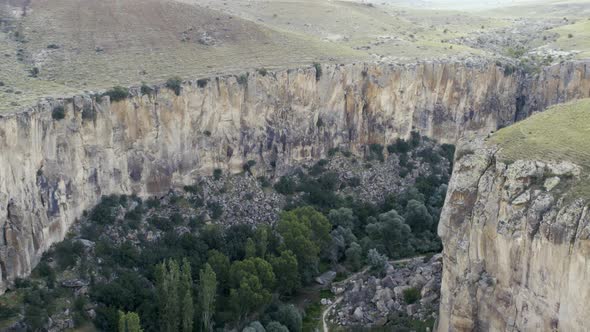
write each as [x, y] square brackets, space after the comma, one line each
[414, 139]
[202, 82]
[400, 146]
[243, 79]
[193, 189]
[117, 93]
[247, 167]
[34, 72]
[376, 261]
[376, 152]
[175, 84]
[276, 327]
[58, 113]
[262, 71]
[286, 185]
[217, 173]
[264, 183]
[318, 71]
[215, 209]
[22, 283]
[411, 295]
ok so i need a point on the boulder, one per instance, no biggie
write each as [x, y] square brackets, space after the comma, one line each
[358, 314]
[326, 278]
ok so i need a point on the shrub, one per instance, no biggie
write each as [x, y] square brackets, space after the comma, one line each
[202, 82]
[411, 295]
[376, 261]
[319, 123]
[262, 71]
[286, 185]
[215, 209]
[318, 71]
[247, 167]
[243, 79]
[414, 138]
[21, 283]
[174, 84]
[34, 72]
[161, 224]
[58, 113]
[376, 152]
[193, 189]
[152, 202]
[217, 173]
[569, 35]
[264, 183]
[400, 146]
[354, 181]
[117, 93]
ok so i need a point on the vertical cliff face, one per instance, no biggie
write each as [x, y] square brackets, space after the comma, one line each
[516, 247]
[52, 170]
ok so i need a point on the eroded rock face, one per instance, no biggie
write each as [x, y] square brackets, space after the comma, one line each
[52, 170]
[516, 246]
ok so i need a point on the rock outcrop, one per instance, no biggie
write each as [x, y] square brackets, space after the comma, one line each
[52, 170]
[516, 245]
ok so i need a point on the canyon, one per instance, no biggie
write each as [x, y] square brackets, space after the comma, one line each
[52, 170]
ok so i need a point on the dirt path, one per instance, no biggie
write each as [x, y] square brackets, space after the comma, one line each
[339, 298]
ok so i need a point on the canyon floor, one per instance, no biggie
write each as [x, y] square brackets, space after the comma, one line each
[64, 47]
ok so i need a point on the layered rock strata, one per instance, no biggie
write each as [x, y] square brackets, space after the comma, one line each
[52, 170]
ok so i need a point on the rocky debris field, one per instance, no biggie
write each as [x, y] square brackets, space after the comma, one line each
[408, 289]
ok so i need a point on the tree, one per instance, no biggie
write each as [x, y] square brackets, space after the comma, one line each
[285, 269]
[342, 217]
[250, 249]
[376, 261]
[257, 267]
[254, 326]
[417, 216]
[207, 293]
[305, 232]
[248, 296]
[276, 327]
[252, 281]
[186, 296]
[129, 322]
[174, 289]
[289, 316]
[390, 234]
[341, 238]
[220, 265]
[261, 239]
[354, 256]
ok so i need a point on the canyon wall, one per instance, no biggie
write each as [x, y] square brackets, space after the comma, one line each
[516, 246]
[52, 170]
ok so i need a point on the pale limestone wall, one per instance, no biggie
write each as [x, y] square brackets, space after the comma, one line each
[516, 249]
[50, 171]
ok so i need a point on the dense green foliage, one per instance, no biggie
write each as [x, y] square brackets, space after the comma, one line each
[117, 93]
[175, 84]
[240, 272]
[58, 113]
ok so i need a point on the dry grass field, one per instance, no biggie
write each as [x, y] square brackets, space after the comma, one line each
[560, 133]
[60, 47]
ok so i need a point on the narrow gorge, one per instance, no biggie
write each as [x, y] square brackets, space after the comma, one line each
[54, 169]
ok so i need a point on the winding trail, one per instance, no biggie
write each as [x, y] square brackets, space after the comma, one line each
[339, 298]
